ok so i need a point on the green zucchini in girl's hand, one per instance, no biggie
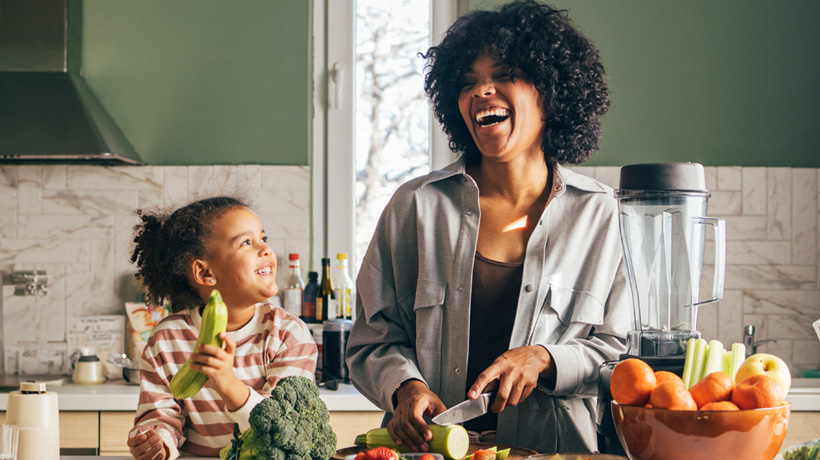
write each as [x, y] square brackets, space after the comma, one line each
[451, 441]
[187, 382]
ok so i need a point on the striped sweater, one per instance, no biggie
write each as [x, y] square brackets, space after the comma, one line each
[274, 344]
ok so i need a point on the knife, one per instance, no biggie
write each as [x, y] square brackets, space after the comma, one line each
[466, 410]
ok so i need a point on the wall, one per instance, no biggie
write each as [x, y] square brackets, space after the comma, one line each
[76, 222]
[720, 83]
[772, 258]
[203, 81]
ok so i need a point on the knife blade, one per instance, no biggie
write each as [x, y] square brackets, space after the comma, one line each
[466, 410]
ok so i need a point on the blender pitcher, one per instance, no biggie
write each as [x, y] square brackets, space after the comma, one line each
[663, 228]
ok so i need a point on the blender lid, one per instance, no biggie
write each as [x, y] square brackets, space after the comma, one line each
[676, 176]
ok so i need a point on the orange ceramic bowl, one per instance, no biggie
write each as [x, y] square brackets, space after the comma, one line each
[662, 434]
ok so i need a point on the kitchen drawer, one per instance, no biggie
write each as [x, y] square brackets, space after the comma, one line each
[348, 425]
[114, 428]
[78, 430]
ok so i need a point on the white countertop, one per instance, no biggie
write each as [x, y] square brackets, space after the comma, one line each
[119, 396]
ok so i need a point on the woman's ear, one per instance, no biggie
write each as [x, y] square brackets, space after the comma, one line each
[201, 273]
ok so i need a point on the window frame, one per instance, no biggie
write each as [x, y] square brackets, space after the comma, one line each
[333, 164]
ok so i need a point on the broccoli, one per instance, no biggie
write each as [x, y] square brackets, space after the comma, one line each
[293, 424]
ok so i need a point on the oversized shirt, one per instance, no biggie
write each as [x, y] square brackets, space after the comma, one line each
[414, 290]
[272, 345]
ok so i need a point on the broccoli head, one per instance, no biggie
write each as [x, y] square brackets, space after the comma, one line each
[293, 424]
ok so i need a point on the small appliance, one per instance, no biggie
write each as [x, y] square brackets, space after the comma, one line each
[663, 225]
[35, 411]
[88, 370]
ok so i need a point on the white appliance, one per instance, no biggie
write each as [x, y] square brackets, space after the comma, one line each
[36, 412]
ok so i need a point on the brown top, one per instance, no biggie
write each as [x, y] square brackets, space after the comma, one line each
[492, 314]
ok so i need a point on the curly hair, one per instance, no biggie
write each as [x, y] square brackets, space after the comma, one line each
[554, 56]
[166, 245]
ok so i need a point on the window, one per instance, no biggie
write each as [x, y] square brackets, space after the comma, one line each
[375, 130]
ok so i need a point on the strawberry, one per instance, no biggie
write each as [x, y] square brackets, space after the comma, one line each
[361, 456]
[482, 454]
[427, 457]
[381, 453]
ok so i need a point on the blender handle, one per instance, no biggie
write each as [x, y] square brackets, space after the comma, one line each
[719, 225]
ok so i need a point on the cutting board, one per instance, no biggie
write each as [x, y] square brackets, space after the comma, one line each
[516, 453]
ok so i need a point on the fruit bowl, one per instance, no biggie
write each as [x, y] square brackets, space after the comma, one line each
[662, 434]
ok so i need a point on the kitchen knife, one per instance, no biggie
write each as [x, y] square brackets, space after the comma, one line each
[466, 410]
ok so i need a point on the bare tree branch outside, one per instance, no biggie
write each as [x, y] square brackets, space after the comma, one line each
[392, 115]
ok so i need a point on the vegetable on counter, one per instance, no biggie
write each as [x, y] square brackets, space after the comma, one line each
[293, 424]
[451, 441]
[187, 382]
[703, 358]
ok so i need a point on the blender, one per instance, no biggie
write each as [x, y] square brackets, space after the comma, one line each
[663, 223]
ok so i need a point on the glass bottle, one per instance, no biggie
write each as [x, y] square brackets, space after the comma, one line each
[309, 298]
[325, 300]
[344, 288]
[296, 285]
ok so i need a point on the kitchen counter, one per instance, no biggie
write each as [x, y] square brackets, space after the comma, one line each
[119, 396]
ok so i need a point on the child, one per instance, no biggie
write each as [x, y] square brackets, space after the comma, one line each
[215, 243]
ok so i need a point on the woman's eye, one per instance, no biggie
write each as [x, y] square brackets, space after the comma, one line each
[264, 239]
[245, 243]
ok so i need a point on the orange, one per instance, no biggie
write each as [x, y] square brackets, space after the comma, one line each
[720, 405]
[670, 395]
[631, 382]
[716, 386]
[759, 390]
[666, 376]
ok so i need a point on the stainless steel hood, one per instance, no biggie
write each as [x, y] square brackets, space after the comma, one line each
[47, 112]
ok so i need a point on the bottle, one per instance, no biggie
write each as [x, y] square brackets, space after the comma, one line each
[325, 302]
[344, 288]
[295, 287]
[309, 298]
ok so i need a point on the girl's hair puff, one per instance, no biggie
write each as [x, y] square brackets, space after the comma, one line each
[167, 243]
[554, 56]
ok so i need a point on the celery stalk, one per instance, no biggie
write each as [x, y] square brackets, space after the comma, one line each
[714, 357]
[739, 355]
[688, 362]
[699, 361]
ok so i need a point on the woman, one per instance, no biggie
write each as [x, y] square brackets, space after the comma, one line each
[503, 270]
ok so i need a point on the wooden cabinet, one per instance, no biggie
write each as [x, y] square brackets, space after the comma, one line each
[108, 431]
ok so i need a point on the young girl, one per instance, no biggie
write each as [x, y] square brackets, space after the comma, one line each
[215, 243]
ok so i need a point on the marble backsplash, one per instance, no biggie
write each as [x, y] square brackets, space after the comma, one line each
[76, 223]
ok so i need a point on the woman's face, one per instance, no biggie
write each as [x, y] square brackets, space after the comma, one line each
[242, 263]
[502, 110]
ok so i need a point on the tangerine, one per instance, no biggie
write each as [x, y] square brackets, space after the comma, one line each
[632, 382]
[720, 405]
[716, 386]
[759, 390]
[670, 395]
[666, 376]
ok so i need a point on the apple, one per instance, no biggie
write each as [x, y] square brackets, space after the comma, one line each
[765, 363]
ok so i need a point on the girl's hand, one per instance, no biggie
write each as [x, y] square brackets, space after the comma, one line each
[148, 446]
[407, 427]
[217, 363]
[516, 372]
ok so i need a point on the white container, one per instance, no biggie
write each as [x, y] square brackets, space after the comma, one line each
[88, 370]
[36, 412]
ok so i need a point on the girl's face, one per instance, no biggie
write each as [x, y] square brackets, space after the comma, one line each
[502, 109]
[241, 263]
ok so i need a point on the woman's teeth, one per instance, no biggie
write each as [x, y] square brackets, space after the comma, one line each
[263, 271]
[491, 117]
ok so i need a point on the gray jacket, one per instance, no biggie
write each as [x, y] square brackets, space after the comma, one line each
[414, 290]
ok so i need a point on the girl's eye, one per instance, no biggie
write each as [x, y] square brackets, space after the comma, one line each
[265, 239]
[245, 243]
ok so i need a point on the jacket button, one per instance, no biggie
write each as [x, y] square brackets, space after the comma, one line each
[459, 289]
[469, 213]
[528, 288]
[457, 370]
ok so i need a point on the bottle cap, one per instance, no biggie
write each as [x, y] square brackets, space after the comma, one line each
[341, 256]
[293, 256]
[313, 276]
[325, 261]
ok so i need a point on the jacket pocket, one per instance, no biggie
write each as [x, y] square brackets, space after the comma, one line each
[428, 307]
[565, 313]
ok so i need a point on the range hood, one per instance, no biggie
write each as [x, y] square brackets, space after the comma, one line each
[47, 113]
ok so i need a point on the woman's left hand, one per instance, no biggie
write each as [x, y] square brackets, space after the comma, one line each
[217, 363]
[516, 372]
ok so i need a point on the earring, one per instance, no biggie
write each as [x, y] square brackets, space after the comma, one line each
[212, 281]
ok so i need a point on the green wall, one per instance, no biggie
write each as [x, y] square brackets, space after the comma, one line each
[204, 81]
[727, 82]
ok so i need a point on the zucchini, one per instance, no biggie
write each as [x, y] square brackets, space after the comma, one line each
[451, 441]
[187, 382]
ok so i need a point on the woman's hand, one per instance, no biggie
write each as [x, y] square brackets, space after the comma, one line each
[217, 363]
[407, 427]
[148, 446]
[516, 372]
